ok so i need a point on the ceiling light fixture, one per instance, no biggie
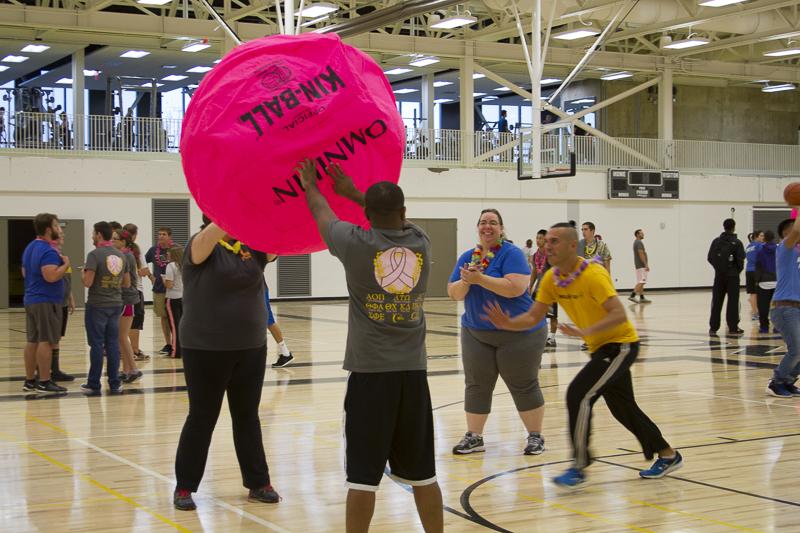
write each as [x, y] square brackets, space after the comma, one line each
[576, 33]
[424, 61]
[442, 100]
[442, 83]
[455, 21]
[153, 2]
[35, 48]
[14, 59]
[720, 3]
[65, 81]
[91, 73]
[174, 77]
[689, 42]
[150, 84]
[199, 70]
[778, 88]
[549, 81]
[405, 91]
[502, 89]
[478, 75]
[783, 52]
[616, 76]
[135, 54]
[317, 10]
[3, 68]
[397, 71]
[196, 46]
[478, 94]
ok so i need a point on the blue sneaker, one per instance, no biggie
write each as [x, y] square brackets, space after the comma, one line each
[570, 479]
[793, 389]
[778, 390]
[662, 467]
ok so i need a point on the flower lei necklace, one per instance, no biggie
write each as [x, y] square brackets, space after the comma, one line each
[236, 249]
[481, 263]
[563, 283]
[162, 263]
[590, 250]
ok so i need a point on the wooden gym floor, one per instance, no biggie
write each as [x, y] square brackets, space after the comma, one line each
[106, 464]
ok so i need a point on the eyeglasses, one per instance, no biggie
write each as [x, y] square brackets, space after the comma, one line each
[488, 223]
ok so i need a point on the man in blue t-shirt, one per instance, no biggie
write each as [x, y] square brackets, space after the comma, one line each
[43, 269]
[750, 253]
[785, 312]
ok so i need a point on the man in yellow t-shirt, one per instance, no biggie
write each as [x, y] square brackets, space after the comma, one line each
[585, 291]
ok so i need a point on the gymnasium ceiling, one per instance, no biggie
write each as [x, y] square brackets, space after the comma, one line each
[737, 35]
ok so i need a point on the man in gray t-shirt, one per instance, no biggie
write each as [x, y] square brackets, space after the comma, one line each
[105, 274]
[388, 414]
[642, 266]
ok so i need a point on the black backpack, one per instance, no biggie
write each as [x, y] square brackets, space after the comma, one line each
[723, 255]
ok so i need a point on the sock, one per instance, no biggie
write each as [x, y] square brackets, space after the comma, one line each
[54, 361]
[284, 349]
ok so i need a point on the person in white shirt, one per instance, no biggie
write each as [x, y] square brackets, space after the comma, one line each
[174, 295]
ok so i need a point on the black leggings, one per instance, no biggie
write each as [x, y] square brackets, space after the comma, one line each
[763, 299]
[175, 313]
[608, 374]
[208, 376]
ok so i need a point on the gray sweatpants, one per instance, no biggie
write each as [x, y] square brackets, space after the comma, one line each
[515, 356]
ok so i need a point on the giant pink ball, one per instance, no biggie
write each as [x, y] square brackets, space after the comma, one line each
[271, 103]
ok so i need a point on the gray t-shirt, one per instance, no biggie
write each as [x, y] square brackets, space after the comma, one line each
[109, 267]
[223, 300]
[130, 296]
[637, 261]
[387, 277]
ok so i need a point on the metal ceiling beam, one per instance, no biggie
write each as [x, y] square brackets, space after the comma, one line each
[388, 15]
[120, 29]
[723, 44]
[738, 10]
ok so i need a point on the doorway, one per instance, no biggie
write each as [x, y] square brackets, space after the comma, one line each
[442, 232]
[18, 232]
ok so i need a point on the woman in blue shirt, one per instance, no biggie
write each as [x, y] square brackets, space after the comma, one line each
[496, 270]
[756, 240]
[766, 279]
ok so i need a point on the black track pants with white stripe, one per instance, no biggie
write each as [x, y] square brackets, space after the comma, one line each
[608, 374]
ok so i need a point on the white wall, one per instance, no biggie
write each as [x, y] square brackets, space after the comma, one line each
[678, 233]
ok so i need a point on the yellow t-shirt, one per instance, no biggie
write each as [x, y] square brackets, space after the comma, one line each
[583, 301]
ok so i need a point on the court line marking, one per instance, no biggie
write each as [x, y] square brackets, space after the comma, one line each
[766, 403]
[465, 495]
[711, 485]
[584, 513]
[157, 475]
[598, 490]
[105, 488]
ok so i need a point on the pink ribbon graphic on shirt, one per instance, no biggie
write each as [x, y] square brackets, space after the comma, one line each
[396, 270]
[397, 261]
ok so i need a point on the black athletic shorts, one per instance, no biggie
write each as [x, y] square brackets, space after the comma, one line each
[388, 417]
[750, 283]
[138, 313]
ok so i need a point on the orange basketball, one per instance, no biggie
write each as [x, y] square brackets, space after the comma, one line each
[792, 194]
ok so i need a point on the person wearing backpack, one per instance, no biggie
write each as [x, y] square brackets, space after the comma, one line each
[726, 255]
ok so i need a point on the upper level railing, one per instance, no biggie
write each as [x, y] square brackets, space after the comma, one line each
[49, 133]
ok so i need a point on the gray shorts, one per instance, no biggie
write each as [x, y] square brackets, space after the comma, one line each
[515, 356]
[43, 322]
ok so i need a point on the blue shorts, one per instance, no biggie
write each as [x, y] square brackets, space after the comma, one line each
[270, 318]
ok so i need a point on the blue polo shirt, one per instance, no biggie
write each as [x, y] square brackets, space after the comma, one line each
[508, 260]
[787, 268]
[37, 254]
[750, 253]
